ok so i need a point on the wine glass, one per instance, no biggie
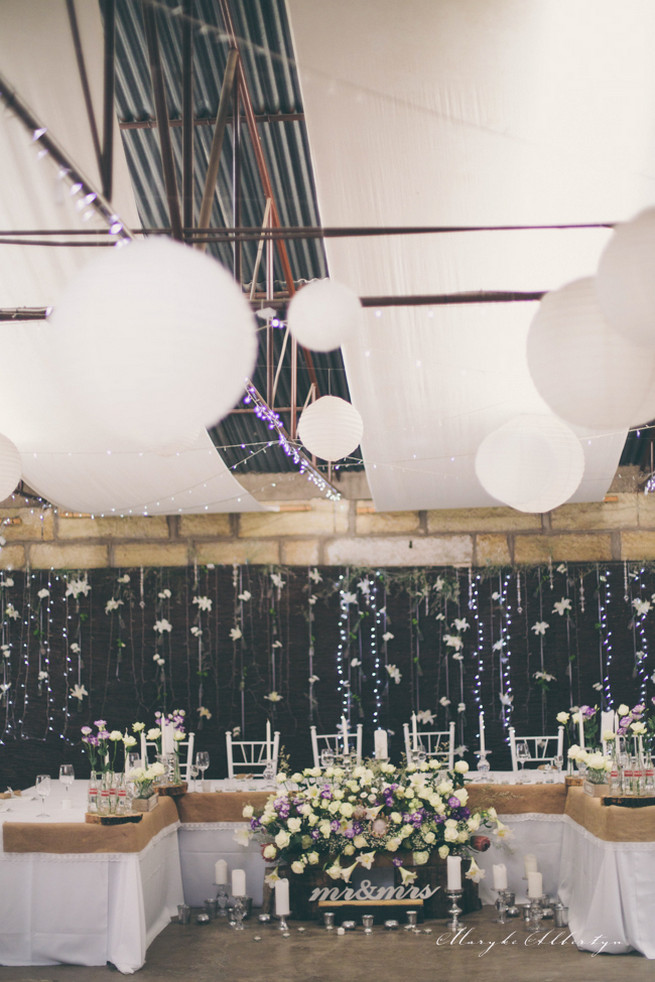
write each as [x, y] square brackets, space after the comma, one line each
[202, 761]
[66, 777]
[42, 785]
[194, 770]
[558, 761]
[522, 754]
[133, 761]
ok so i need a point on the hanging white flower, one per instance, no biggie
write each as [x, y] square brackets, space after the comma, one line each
[313, 679]
[10, 611]
[236, 633]
[348, 598]
[75, 648]
[7, 581]
[388, 636]
[43, 593]
[544, 677]
[276, 644]
[354, 662]
[5, 687]
[162, 625]
[315, 576]
[426, 717]
[203, 712]
[273, 696]
[43, 676]
[203, 603]
[461, 707]
[75, 587]
[540, 627]
[444, 701]
[505, 698]
[640, 655]
[453, 641]
[276, 579]
[164, 594]
[561, 568]
[311, 601]
[78, 692]
[365, 586]
[439, 584]
[561, 606]
[461, 624]
[125, 578]
[458, 656]
[112, 604]
[498, 645]
[440, 617]
[196, 631]
[598, 686]
[6, 652]
[495, 595]
[158, 660]
[245, 596]
[394, 673]
[641, 606]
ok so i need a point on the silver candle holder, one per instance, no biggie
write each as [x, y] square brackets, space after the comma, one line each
[454, 910]
[282, 923]
[221, 899]
[239, 912]
[503, 903]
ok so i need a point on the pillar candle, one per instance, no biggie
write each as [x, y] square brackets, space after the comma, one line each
[581, 729]
[238, 883]
[535, 885]
[529, 863]
[269, 754]
[282, 898]
[380, 743]
[220, 872]
[482, 743]
[414, 733]
[500, 876]
[454, 872]
[344, 730]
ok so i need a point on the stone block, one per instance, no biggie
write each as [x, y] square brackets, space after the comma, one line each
[646, 510]
[34, 524]
[300, 552]
[205, 526]
[12, 557]
[386, 522]
[481, 520]
[129, 527]
[322, 518]
[597, 514]
[563, 548]
[455, 550]
[150, 554]
[238, 551]
[492, 550]
[634, 545]
[79, 555]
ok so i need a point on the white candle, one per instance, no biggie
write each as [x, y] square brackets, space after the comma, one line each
[344, 730]
[238, 883]
[380, 743]
[282, 898]
[529, 863]
[414, 733]
[454, 872]
[581, 729]
[269, 755]
[482, 743]
[535, 885]
[500, 876]
[220, 872]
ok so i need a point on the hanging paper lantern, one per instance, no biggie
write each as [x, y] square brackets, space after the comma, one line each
[330, 428]
[10, 467]
[323, 315]
[155, 341]
[586, 371]
[532, 463]
[625, 284]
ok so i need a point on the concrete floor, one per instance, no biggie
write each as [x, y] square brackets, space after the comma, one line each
[483, 951]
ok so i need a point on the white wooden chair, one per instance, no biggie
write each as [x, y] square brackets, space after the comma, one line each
[608, 721]
[435, 744]
[251, 756]
[149, 751]
[543, 748]
[335, 743]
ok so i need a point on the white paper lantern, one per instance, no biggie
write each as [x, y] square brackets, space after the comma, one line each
[625, 281]
[155, 341]
[10, 467]
[586, 371]
[330, 428]
[323, 315]
[532, 463]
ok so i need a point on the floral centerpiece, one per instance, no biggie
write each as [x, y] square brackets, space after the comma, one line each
[142, 784]
[597, 766]
[102, 746]
[339, 820]
[167, 736]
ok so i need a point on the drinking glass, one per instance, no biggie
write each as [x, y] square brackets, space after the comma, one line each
[42, 784]
[522, 754]
[66, 776]
[327, 758]
[558, 761]
[194, 770]
[133, 761]
[202, 760]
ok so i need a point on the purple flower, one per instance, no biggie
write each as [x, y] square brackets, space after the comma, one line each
[100, 723]
[86, 730]
[397, 861]
[349, 833]
[334, 825]
[315, 834]
[454, 801]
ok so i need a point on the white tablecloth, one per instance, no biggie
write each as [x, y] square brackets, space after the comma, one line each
[84, 909]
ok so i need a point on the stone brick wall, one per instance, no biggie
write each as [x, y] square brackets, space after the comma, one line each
[313, 531]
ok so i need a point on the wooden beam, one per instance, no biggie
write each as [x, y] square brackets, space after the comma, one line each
[216, 150]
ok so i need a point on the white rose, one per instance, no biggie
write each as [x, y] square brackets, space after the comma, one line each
[282, 839]
[461, 767]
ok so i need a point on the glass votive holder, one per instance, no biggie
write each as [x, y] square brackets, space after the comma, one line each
[391, 925]
[211, 908]
[348, 925]
[367, 922]
[183, 913]
[328, 920]
[202, 919]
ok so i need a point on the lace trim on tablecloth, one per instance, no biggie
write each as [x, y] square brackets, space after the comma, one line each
[88, 857]
[213, 826]
[508, 817]
[609, 843]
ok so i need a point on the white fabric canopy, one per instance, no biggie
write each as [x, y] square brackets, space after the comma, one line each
[482, 112]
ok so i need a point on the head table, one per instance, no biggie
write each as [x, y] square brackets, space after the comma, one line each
[90, 894]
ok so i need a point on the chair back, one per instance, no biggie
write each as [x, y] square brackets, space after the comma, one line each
[608, 721]
[543, 748]
[251, 756]
[335, 743]
[435, 744]
[185, 750]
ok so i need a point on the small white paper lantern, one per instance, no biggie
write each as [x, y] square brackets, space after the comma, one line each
[11, 468]
[532, 463]
[625, 281]
[586, 371]
[330, 428]
[155, 341]
[323, 315]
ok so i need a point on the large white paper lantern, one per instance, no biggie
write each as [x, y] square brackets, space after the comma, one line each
[10, 467]
[330, 428]
[586, 371]
[323, 315]
[155, 341]
[625, 281]
[532, 463]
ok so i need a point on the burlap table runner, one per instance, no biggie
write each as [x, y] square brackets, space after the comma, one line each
[518, 799]
[217, 806]
[611, 822]
[78, 837]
